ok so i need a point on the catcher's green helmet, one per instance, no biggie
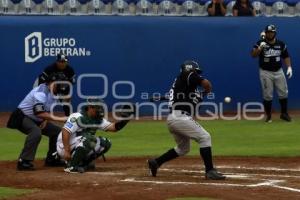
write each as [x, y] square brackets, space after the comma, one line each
[95, 103]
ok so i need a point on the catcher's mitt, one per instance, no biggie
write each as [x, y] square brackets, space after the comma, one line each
[126, 111]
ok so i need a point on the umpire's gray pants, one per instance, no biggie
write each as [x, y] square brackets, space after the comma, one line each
[269, 80]
[34, 135]
[183, 128]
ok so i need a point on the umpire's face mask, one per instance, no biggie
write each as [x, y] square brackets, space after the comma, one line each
[53, 87]
[62, 89]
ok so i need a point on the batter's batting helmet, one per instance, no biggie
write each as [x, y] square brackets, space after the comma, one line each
[270, 28]
[190, 65]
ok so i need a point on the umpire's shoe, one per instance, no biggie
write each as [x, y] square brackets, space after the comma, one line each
[285, 117]
[153, 167]
[213, 174]
[25, 165]
[53, 160]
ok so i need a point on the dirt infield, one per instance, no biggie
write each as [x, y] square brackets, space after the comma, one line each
[128, 178]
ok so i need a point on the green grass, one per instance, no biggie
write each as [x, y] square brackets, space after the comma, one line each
[229, 138]
[6, 192]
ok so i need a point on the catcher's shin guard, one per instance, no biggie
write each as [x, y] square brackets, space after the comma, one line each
[78, 157]
[105, 146]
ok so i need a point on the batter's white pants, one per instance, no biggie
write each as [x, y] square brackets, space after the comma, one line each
[183, 128]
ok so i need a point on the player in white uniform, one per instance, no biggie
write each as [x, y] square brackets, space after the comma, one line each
[77, 142]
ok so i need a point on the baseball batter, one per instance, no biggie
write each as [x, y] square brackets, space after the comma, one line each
[271, 51]
[77, 142]
[183, 99]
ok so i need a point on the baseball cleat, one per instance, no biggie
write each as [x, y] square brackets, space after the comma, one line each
[91, 166]
[54, 163]
[153, 166]
[213, 174]
[53, 160]
[74, 170]
[25, 165]
[268, 119]
[285, 117]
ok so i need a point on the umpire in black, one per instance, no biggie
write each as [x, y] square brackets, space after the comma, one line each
[62, 68]
[272, 52]
[31, 118]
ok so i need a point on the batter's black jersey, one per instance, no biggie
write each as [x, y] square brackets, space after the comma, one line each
[184, 94]
[270, 57]
[68, 72]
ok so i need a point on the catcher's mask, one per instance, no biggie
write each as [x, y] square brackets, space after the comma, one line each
[270, 29]
[189, 66]
[95, 103]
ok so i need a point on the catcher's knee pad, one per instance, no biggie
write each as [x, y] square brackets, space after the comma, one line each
[102, 146]
[105, 144]
[88, 142]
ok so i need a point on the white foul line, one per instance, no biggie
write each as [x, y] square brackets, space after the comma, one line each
[286, 188]
[250, 168]
[258, 168]
[133, 180]
[233, 174]
[271, 183]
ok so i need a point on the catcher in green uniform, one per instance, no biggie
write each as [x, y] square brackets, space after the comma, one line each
[78, 144]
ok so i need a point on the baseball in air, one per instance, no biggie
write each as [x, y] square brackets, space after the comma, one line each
[227, 99]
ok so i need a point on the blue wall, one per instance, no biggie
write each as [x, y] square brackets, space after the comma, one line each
[147, 51]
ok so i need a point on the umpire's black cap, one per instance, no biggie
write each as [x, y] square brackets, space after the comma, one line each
[61, 58]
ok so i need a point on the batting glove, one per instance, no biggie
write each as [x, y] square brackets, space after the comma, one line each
[262, 45]
[262, 35]
[289, 72]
